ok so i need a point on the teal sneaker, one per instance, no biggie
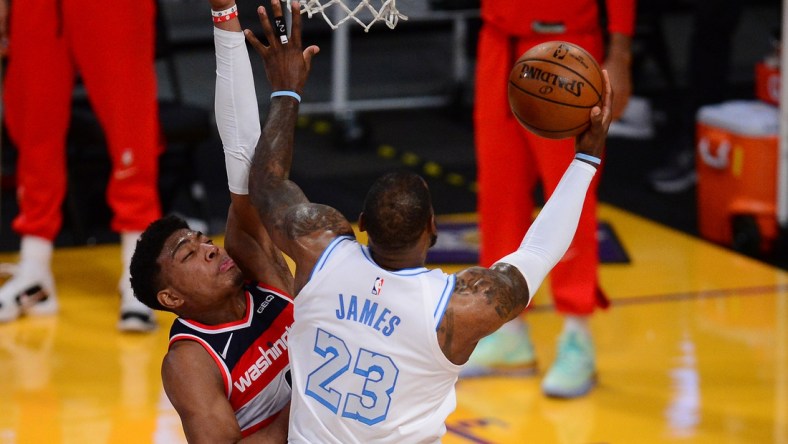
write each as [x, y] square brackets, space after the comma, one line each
[573, 373]
[504, 352]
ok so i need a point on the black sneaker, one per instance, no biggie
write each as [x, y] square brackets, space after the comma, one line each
[132, 321]
[677, 177]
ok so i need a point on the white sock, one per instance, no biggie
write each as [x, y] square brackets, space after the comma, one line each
[128, 242]
[35, 255]
[577, 324]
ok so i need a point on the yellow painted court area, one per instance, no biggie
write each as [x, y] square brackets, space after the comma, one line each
[693, 350]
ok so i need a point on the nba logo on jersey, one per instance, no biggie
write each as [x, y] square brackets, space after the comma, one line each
[377, 288]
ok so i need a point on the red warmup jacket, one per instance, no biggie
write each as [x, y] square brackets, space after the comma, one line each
[528, 18]
[510, 159]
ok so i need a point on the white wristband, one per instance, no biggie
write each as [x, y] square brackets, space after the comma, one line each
[228, 11]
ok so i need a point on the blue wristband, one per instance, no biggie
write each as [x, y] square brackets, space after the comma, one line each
[292, 94]
[589, 158]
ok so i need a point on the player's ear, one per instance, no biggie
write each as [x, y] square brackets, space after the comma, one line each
[432, 230]
[169, 299]
[362, 225]
[433, 224]
[432, 227]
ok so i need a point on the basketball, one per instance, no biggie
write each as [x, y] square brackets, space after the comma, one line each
[552, 88]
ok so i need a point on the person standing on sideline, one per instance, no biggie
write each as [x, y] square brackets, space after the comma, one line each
[112, 48]
[510, 162]
[378, 340]
[709, 61]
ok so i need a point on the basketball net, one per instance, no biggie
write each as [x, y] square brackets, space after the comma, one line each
[365, 13]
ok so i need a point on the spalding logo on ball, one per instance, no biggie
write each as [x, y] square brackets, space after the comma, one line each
[552, 88]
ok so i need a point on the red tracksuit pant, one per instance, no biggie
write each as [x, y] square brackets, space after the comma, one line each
[111, 45]
[510, 161]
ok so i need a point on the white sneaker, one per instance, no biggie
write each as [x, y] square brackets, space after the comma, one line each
[135, 316]
[507, 351]
[636, 122]
[136, 322]
[28, 293]
[573, 373]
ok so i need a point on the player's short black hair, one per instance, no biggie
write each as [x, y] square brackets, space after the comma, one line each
[145, 270]
[397, 209]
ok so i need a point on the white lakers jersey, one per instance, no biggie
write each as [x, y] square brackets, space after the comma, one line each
[364, 352]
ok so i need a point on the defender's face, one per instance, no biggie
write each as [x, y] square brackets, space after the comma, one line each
[199, 271]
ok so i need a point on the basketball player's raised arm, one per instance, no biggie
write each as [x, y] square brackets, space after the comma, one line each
[485, 299]
[238, 122]
[300, 228]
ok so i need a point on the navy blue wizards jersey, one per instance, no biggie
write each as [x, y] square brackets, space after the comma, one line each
[251, 354]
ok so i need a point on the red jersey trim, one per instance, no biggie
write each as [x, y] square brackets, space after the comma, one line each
[276, 291]
[244, 322]
[226, 377]
[255, 427]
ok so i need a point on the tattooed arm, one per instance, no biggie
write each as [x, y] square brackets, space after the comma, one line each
[485, 299]
[299, 228]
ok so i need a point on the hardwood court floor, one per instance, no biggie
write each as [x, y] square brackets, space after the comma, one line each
[693, 350]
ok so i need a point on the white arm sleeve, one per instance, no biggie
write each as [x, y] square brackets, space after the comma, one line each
[237, 114]
[551, 233]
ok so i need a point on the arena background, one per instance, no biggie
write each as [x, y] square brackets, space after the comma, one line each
[410, 104]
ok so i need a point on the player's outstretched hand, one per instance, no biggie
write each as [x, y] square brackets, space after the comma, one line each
[592, 141]
[287, 65]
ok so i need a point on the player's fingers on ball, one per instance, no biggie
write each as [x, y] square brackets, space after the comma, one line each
[552, 88]
[607, 106]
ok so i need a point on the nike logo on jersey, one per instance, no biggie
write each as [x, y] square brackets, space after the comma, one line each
[226, 346]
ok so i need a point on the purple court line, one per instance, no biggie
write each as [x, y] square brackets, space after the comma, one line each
[464, 428]
[459, 431]
[685, 296]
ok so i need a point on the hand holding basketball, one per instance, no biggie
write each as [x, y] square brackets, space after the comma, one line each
[592, 141]
[553, 87]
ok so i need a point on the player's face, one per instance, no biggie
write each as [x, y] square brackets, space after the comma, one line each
[197, 269]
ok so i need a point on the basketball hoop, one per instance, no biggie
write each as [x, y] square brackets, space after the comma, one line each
[363, 12]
